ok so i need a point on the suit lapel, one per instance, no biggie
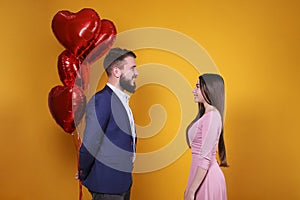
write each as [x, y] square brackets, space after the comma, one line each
[119, 113]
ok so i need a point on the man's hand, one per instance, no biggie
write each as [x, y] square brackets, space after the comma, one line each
[76, 176]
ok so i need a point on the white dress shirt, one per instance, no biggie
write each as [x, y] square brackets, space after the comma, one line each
[125, 99]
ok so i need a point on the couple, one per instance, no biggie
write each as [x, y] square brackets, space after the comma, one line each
[108, 149]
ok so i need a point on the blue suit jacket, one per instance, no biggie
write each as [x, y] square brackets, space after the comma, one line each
[105, 159]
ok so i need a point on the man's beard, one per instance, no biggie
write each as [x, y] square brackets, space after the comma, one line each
[125, 84]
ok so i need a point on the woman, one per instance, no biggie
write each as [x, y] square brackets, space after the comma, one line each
[206, 180]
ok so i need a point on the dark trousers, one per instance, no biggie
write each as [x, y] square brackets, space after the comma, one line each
[102, 196]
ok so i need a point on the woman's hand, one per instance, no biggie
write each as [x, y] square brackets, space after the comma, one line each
[189, 195]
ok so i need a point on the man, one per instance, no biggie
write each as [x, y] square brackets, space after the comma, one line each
[108, 149]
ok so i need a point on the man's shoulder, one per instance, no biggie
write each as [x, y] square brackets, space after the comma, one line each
[101, 97]
[106, 91]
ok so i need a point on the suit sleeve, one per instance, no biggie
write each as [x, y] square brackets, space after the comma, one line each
[97, 117]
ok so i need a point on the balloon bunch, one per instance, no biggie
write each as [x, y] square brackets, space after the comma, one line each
[86, 38]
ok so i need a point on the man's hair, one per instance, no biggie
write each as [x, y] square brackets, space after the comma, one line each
[114, 57]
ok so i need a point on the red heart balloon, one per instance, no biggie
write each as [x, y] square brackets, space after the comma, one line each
[76, 31]
[83, 78]
[71, 71]
[68, 67]
[105, 40]
[67, 106]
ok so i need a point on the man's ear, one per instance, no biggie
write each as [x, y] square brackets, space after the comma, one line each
[116, 72]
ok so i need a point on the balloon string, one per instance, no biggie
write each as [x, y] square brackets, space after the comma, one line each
[77, 143]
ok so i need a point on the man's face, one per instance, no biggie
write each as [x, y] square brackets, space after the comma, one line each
[129, 74]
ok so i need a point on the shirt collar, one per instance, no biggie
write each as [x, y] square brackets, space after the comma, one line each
[122, 95]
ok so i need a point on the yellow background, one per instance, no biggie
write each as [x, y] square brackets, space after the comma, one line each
[255, 45]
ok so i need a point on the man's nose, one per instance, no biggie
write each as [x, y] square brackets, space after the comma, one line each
[136, 73]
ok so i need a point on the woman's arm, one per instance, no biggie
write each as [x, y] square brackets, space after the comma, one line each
[199, 177]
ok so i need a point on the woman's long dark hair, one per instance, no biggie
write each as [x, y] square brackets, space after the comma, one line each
[212, 89]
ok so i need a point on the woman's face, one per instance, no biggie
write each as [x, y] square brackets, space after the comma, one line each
[198, 97]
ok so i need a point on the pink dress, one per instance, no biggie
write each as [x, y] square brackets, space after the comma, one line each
[204, 136]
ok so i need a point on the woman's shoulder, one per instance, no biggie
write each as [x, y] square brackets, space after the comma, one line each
[213, 114]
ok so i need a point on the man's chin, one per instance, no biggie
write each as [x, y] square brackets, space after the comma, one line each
[130, 89]
[127, 85]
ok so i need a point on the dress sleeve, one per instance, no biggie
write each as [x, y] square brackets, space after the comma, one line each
[208, 131]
